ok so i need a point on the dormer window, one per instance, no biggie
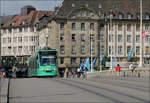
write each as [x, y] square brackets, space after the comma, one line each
[23, 23]
[120, 16]
[129, 16]
[73, 5]
[86, 5]
[138, 16]
[111, 15]
[147, 16]
[11, 24]
[99, 6]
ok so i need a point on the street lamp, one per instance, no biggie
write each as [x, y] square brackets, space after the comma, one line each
[46, 36]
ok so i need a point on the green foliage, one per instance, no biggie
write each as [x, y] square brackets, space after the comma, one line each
[133, 59]
[106, 59]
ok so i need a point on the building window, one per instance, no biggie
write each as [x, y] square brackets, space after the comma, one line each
[15, 39]
[82, 26]
[9, 40]
[14, 50]
[92, 39]
[26, 49]
[102, 38]
[82, 37]
[14, 30]
[92, 26]
[102, 50]
[147, 39]
[73, 60]
[73, 26]
[119, 38]
[20, 39]
[62, 37]
[82, 49]
[129, 38]
[31, 29]
[101, 26]
[119, 27]
[110, 50]
[73, 49]
[62, 25]
[120, 50]
[25, 39]
[92, 49]
[147, 27]
[73, 37]
[62, 49]
[137, 27]
[147, 50]
[138, 16]
[129, 16]
[9, 30]
[147, 17]
[20, 49]
[25, 29]
[20, 29]
[128, 49]
[120, 16]
[128, 27]
[111, 38]
[137, 50]
[62, 60]
[4, 40]
[111, 27]
[137, 38]
[9, 49]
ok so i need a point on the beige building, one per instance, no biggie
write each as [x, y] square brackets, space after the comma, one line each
[19, 37]
[82, 28]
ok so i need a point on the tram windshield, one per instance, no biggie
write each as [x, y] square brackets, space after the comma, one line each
[47, 60]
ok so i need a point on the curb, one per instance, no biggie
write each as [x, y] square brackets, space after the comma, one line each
[4, 90]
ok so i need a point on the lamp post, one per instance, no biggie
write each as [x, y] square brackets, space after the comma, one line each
[141, 39]
[46, 36]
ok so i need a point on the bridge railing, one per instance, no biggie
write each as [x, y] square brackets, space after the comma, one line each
[123, 73]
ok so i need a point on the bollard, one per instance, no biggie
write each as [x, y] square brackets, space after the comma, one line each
[124, 74]
[138, 74]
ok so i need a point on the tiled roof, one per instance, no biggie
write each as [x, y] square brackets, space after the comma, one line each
[105, 6]
[30, 20]
[5, 19]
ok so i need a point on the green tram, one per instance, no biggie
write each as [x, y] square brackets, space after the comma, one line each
[43, 63]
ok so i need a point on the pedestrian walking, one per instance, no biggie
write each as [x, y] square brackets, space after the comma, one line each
[118, 69]
[131, 67]
[14, 69]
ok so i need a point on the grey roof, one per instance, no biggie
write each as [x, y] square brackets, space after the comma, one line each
[5, 19]
[105, 6]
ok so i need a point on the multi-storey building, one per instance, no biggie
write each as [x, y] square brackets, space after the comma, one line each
[84, 28]
[18, 36]
[3, 20]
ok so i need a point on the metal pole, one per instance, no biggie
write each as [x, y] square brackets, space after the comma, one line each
[111, 66]
[91, 56]
[141, 39]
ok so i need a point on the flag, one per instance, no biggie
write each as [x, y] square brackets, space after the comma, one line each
[130, 53]
[94, 61]
[144, 34]
[81, 65]
[114, 58]
[87, 64]
[101, 59]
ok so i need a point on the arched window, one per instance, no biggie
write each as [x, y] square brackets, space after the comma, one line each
[120, 16]
[137, 15]
[129, 16]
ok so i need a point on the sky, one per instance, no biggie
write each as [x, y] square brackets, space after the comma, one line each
[10, 7]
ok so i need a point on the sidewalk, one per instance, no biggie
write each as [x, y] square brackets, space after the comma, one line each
[3, 90]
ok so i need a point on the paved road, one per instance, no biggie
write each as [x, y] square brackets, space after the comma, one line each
[100, 90]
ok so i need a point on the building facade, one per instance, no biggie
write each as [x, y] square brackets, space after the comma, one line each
[82, 29]
[19, 37]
